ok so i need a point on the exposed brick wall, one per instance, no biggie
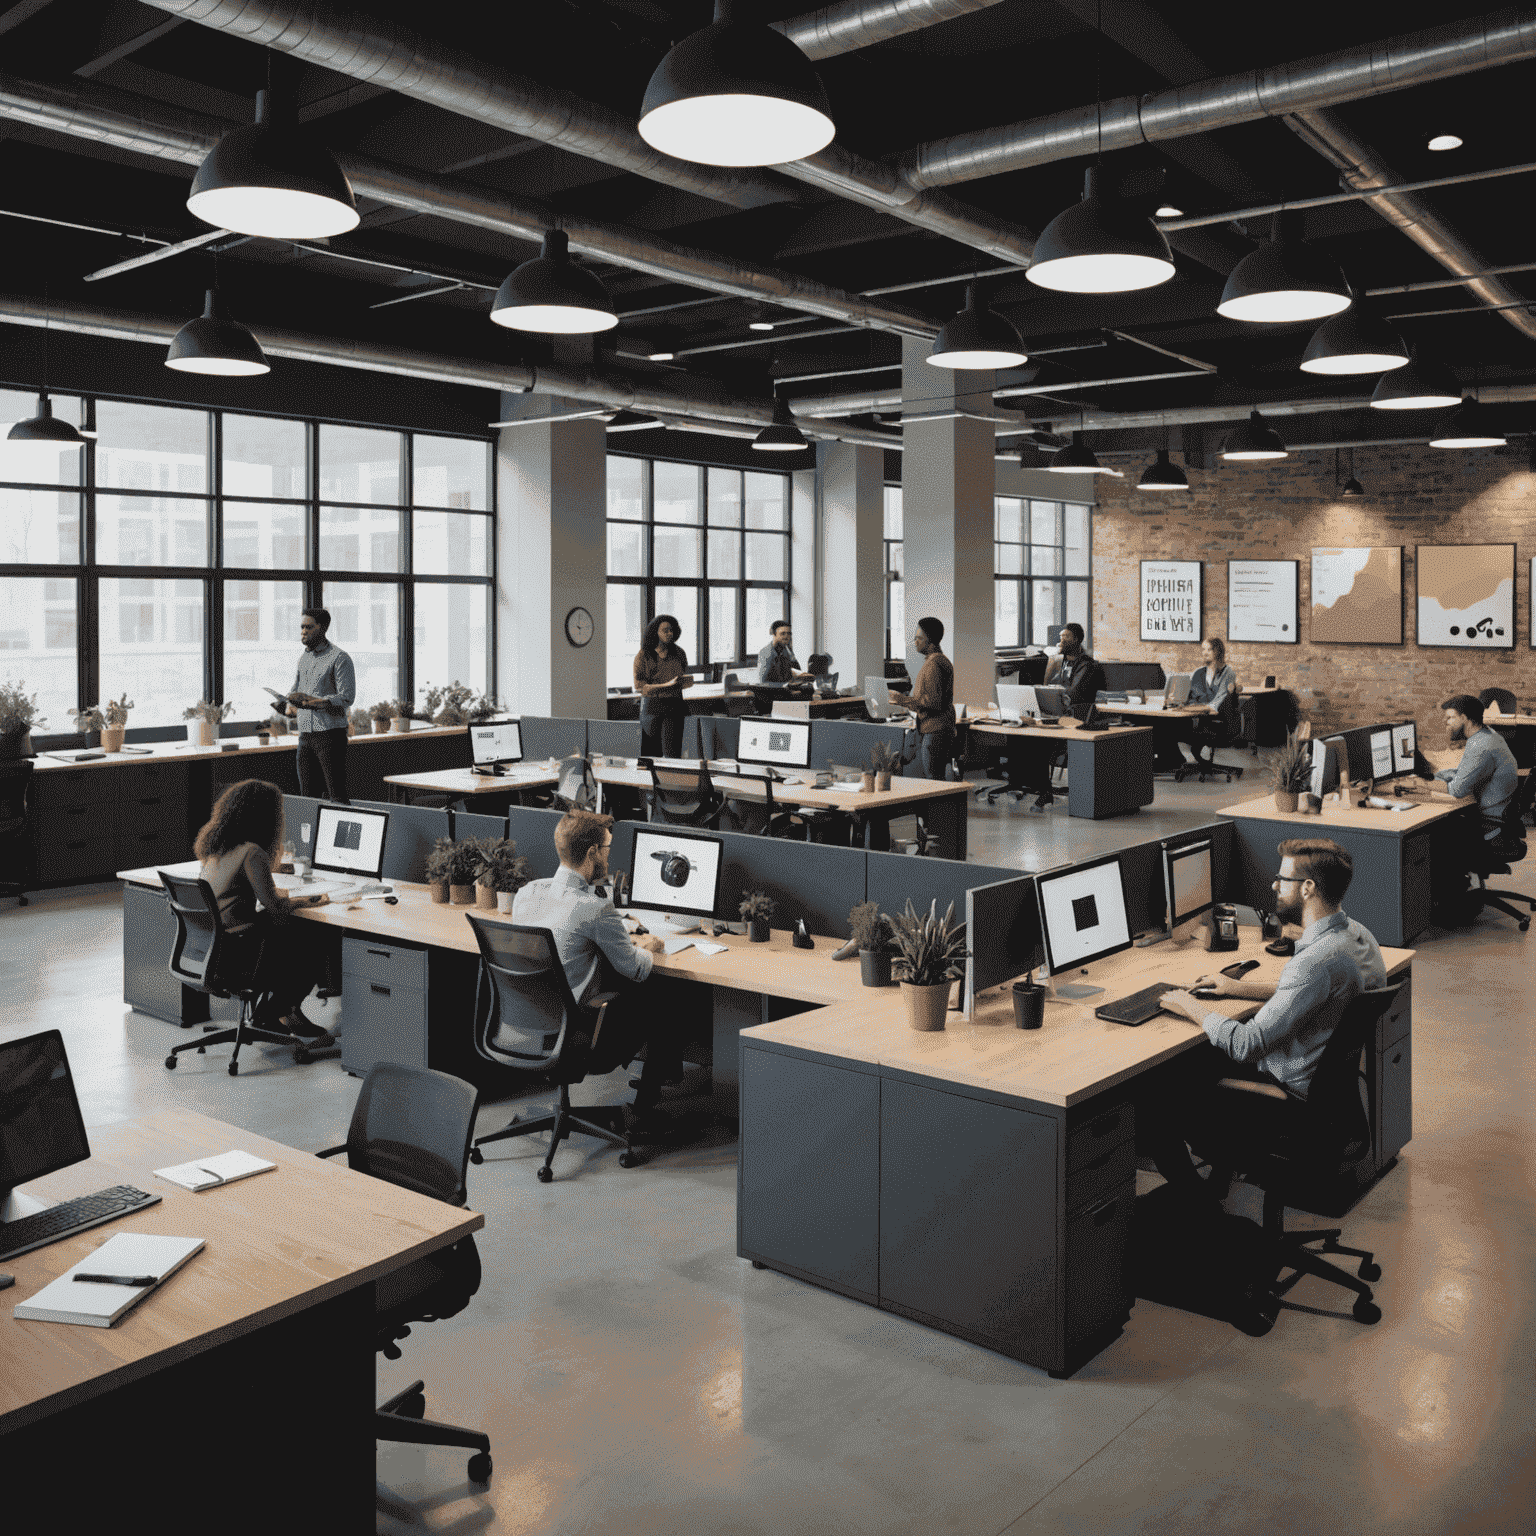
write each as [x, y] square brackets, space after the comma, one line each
[1279, 511]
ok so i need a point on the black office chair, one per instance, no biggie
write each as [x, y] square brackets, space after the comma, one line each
[526, 1019]
[411, 1127]
[1493, 856]
[685, 797]
[1223, 729]
[15, 830]
[200, 960]
[1500, 696]
[762, 819]
[1299, 1151]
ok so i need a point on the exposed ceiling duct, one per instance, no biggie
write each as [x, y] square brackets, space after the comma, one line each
[1438, 53]
[166, 133]
[854, 24]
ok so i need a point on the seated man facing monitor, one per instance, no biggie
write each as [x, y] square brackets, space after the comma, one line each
[600, 956]
[1487, 768]
[1075, 670]
[1335, 960]
[776, 663]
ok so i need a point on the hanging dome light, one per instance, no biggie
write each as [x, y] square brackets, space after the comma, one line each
[1468, 427]
[1077, 458]
[783, 436]
[552, 295]
[1420, 386]
[213, 343]
[272, 181]
[736, 93]
[45, 427]
[1163, 475]
[1352, 488]
[1253, 439]
[1353, 342]
[978, 338]
[1284, 280]
[1100, 245]
[1030, 457]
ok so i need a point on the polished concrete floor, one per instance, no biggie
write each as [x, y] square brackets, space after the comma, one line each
[637, 1378]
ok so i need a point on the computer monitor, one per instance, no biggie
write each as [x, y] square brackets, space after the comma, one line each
[1176, 693]
[1358, 756]
[350, 842]
[1016, 701]
[825, 684]
[1002, 924]
[1187, 886]
[877, 698]
[676, 871]
[1082, 918]
[1053, 701]
[1330, 763]
[501, 742]
[1404, 746]
[1381, 754]
[777, 742]
[41, 1129]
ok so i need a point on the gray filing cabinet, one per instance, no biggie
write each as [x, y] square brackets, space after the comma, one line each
[384, 1003]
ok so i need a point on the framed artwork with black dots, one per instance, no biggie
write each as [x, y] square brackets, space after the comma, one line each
[1466, 596]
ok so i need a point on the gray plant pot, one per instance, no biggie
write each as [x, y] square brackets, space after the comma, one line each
[875, 967]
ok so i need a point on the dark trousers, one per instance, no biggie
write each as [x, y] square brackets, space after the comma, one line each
[661, 733]
[323, 765]
[292, 958]
[935, 752]
[660, 1015]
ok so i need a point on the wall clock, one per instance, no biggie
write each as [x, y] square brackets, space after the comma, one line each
[579, 627]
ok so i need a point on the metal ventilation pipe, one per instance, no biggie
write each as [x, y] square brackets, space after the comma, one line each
[1438, 53]
[166, 133]
[853, 24]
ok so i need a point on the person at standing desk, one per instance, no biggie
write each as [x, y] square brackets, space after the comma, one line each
[1336, 959]
[1487, 768]
[1075, 670]
[661, 674]
[1210, 686]
[932, 700]
[776, 663]
[324, 688]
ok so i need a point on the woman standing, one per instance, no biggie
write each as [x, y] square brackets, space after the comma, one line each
[661, 673]
[1211, 684]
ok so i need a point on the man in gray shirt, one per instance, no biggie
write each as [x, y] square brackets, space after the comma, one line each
[324, 688]
[1487, 768]
[776, 661]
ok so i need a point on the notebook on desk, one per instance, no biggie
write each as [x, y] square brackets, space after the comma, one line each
[124, 1256]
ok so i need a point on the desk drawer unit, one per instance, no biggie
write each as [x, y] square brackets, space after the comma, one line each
[1417, 885]
[396, 965]
[1389, 1073]
[76, 842]
[384, 1007]
[1097, 1291]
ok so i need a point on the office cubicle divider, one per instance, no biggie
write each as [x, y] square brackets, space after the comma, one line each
[1142, 864]
[1140, 675]
[533, 830]
[477, 824]
[412, 831]
[552, 736]
[711, 736]
[805, 880]
[1002, 924]
[614, 738]
[299, 814]
[892, 878]
[848, 743]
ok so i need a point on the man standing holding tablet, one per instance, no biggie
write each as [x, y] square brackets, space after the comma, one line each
[323, 690]
[932, 700]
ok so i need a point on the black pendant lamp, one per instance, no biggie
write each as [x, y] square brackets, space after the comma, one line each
[783, 436]
[1351, 487]
[978, 338]
[213, 343]
[736, 93]
[1285, 280]
[551, 294]
[45, 427]
[1100, 245]
[1253, 439]
[1077, 458]
[272, 180]
[1163, 475]
[1421, 386]
[1353, 342]
[1468, 426]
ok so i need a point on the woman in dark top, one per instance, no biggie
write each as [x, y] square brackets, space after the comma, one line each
[236, 848]
[661, 674]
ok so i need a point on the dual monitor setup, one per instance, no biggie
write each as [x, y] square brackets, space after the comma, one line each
[1367, 755]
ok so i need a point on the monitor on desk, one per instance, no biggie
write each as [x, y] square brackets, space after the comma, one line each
[1015, 701]
[1053, 701]
[877, 698]
[1330, 764]
[350, 842]
[676, 871]
[775, 742]
[1381, 754]
[1404, 747]
[1176, 694]
[1187, 886]
[498, 743]
[1082, 918]
[41, 1129]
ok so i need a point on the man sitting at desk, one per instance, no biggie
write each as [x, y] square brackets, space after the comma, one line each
[1335, 960]
[1487, 768]
[776, 664]
[600, 956]
[1075, 670]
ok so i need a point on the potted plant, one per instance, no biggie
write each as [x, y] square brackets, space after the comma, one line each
[503, 873]
[439, 866]
[117, 723]
[872, 933]
[18, 714]
[755, 909]
[930, 954]
[1028, 1002]
[463, 870]
[205, 715]
[883, 758]
[485, 708]
[1290, 772]
[450, 704]
[89, 719]
[381, 714]
[405, 712]
[358, 723]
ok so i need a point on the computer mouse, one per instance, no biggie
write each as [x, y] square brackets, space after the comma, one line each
[6, 1280]
[1204, 992]
[391, 901]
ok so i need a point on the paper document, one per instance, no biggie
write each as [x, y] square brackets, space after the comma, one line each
[68, 1300]
[847, 784]
[704, 947]
[210, 1172]
[677, 946]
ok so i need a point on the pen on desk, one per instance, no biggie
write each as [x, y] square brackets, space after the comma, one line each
[135, 1280]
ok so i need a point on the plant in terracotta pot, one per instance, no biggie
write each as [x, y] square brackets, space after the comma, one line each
[381, 714]
[871, 931]
[1290, 772]
[883, 758]
[117, 723]
[756, 908]
[504, 872]
[439, 867]
[358, 723]
[18, 715]
[930, 954]
[203, 721]
[463, 871]
[405, 712]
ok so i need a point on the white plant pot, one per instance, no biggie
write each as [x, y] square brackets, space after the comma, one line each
[504, 900]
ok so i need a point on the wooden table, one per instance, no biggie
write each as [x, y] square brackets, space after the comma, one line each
[1108, 772]
[267, 1332]
[484, 792]
[982, 1179]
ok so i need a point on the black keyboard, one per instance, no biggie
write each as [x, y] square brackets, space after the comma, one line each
[71, 1216]
[1139, 1006]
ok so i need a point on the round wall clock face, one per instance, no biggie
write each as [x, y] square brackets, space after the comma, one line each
[579, 627]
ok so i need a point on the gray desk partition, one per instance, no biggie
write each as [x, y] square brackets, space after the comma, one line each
[412, 831]
[299, 813]
[713, 736]
[848, 742]
[805, 880]
[1142, 866]
[533, 830]
[1003, 922]
[893, 877]
[552, 736]
[1120, 675]
[475, 824]
[614, 738]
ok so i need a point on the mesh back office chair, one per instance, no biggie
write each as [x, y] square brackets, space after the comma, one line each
[1295, 1149]
[1223, 729]
[202, 959]
[411, 1127]
[527, 1019]
[685, 797]
[1494, 857]
[1500, 696]
[15, 832]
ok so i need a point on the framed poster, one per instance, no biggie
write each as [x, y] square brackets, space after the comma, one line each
[1170, 600]
[1466, 595]
[1533, 604]
[1357, 596]
[1262, 601]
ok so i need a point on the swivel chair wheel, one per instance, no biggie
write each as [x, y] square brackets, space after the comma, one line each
[1369, 1271]
[170, 1062]
[234, 1069]
[413, 1407]
[480, 1467]
[546, 1175]
[1367, 1311]
[476, 1156]
[628, 1160]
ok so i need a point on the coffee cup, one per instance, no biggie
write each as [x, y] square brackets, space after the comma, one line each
[1028, 1005]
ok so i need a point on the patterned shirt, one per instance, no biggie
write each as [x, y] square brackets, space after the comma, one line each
[325, 673]
[587, 930]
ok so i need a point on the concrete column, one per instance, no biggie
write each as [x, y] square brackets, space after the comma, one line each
[853, 559]
[804, 611]
[551, 557]
[948, 471]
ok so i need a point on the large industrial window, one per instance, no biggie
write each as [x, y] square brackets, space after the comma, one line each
[170, 560]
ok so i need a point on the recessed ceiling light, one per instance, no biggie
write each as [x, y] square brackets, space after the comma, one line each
[1444, 141]
[1168, 211]
[759, 325]
[661, 357]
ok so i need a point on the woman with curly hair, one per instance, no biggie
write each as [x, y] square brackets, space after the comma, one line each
[236, 848]
[661, 674]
